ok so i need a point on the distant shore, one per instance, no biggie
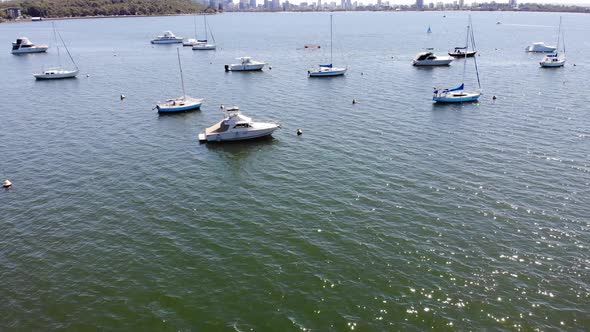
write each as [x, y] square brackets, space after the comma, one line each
[584, 11]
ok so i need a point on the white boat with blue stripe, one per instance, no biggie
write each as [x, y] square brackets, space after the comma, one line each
[327, 70]
[458, 94]
[167, 38]
[180, 104]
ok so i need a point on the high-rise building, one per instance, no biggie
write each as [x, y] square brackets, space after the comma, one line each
[378, 3]
[512, 3]
[319, 4]
[252, 4]
[343, 4]
[461, 3]
[419, 4]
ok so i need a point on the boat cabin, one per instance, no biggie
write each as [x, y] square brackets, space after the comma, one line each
[425, 56]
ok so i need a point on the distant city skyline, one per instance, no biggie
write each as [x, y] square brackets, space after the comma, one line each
[467, 2]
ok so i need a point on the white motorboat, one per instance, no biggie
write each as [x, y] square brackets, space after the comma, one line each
[204, 44]
[540, 47]
[555, 59]
[246, 64]
[428, 58]
[167, 38]
[327, 70]
[58, 72]
[458, 94]
[180, 104]
[237, 127]
[23, 45]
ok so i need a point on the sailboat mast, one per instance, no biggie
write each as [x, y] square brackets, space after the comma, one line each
[465, 57]
[558, 35]
[181, 77]
[56, 44]
[331, 39]
[195, 23]
[205, 22]
[68, 51]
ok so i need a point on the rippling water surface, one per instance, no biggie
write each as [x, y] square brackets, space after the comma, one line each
[391, 214]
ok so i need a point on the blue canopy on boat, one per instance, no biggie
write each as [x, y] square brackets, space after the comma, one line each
[326, 66]
[457, 88]
[202, 40]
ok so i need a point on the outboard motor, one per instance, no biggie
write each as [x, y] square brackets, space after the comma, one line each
[226, 68]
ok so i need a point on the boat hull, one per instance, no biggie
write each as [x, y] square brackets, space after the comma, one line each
[456, 97]
[185, 106]
[56, 74]
[552, 64]
[441, 62]
[250, 67]
[171, 41]
[327, 72]
[463, 55]
[237, 136]
[30, 50]
[207, 47]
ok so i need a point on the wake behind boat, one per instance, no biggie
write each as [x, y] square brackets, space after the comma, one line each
[23, 45]
[237, 127]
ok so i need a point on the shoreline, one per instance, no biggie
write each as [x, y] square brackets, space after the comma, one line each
[288, 11]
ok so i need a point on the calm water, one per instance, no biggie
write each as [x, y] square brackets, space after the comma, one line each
[391, 214]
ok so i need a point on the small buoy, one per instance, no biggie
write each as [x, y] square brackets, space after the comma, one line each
[269, 68]
[574, 64]
[299, 131]
[221, 106]
[7, 184]
[362, 73]
[354, 101]
[494, 98]
[122, 96]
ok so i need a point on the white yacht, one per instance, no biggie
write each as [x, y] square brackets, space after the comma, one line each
[246, 64]
[167, 38]
[428, 58]
[237, 127]
[23, 45]
[190, 42]
[327, 69]
[540, 47]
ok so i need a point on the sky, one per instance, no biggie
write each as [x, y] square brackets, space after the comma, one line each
[409, 2]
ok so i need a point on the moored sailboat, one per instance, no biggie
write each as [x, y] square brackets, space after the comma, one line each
[458, 94]
[180, 104]
[58, 72]
[325, 70]
[554, 60]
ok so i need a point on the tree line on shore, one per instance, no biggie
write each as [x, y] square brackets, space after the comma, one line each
[81, 8]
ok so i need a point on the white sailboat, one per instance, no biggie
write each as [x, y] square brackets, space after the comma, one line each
[554, 60]
[192, 41]
[459, 94]
[180, 104]
[58, 72]
[204, 44]
[325, 70]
